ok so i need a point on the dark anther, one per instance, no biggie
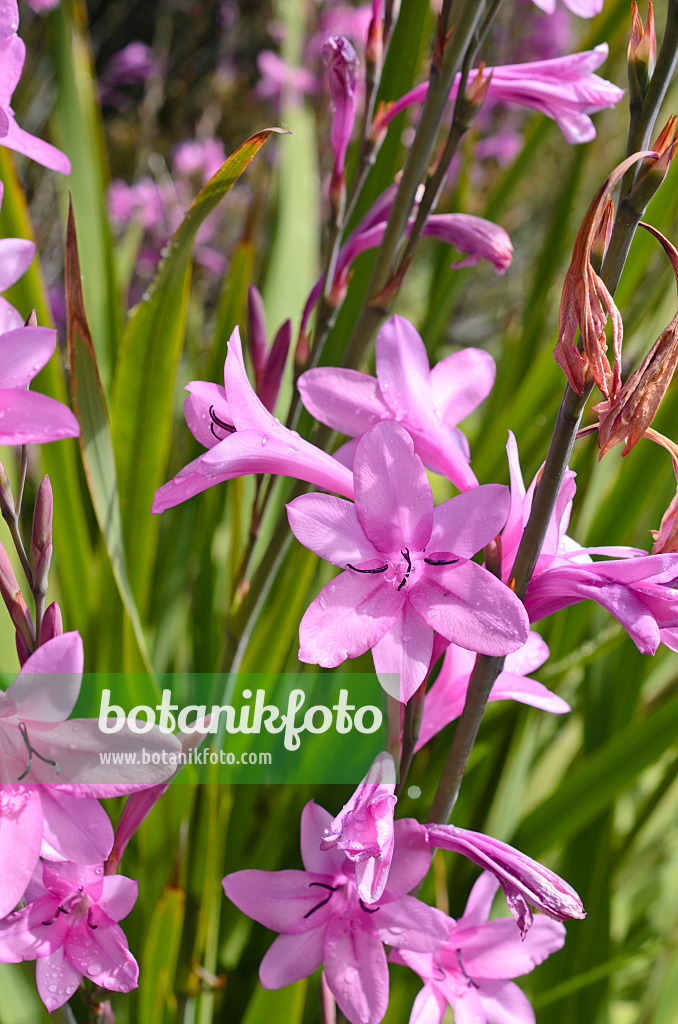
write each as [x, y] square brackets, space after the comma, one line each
[471, 982]
[382, 568]
[321, 885]
[89, 920]
[368, 910]
[31, 752]
[60, 910]
[441, 561]
[406, 555]
[220, 423]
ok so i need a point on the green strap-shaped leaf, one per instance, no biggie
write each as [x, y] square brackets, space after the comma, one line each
[95, 435]
[146, 368]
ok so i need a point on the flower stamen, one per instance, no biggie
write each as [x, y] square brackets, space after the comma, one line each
[471, 982]
[321, 885]
[31, 753]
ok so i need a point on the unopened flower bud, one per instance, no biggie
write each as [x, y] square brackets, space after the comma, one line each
[654, 168]
[14, 601]
[628, 416]
[52, 623]
[275, 366]
[642, 53]
[475, 94]
[258, 335]
[41, 539]
[6, 497]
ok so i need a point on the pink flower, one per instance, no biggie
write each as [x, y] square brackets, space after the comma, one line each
[70, 927]
[480, 238]
[638, 589]
[428, 403]
[363, 829]
[37, 743]
[243, 437]
[523, 880]
[27, 417]
[472, 970]
[12, 57]
[322, 918]
[407, 567]
[446, 698]
[563, 88]
[46, 821]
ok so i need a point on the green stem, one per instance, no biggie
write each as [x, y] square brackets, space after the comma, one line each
[469, 14]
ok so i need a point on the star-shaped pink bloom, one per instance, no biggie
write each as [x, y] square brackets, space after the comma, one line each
[242, 437]
[563, 88]
[473, 969]
[640, 590]
[428, 403]
[407, 567]
[446, 698]
[70, 927]
[12, 57]
[322, 919]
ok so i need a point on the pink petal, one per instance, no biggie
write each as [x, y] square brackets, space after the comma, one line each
[465, 524]
[78, 745]
[118, 897]
[56, 978]
[494, 949]
[27, 417]
[528, 658]
[292, 957]
[460, 382]
[411, 859]
[528, 691]
[402, 367]
[479, 903]
[471, 608]
[9, 17]
[329, 526]
[315, 821]
[408, 923]
[20, 829]
[36, 149]
[48, 684]
[348, 616]
[356, 970]
[392, 493]
[280, 452]
[429, 1007]
[402, 656]
[16, 256]
[12, 57]
[102, 956]
[280, 900]
[188, 482]
[203, 396]
[75, 829]
[345, 400]
[10, 319]
[505, 1003]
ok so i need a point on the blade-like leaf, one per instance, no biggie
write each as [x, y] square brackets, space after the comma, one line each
[95, 434]
[143, 386]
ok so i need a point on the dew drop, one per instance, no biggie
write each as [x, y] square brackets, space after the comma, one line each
[264, 440]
